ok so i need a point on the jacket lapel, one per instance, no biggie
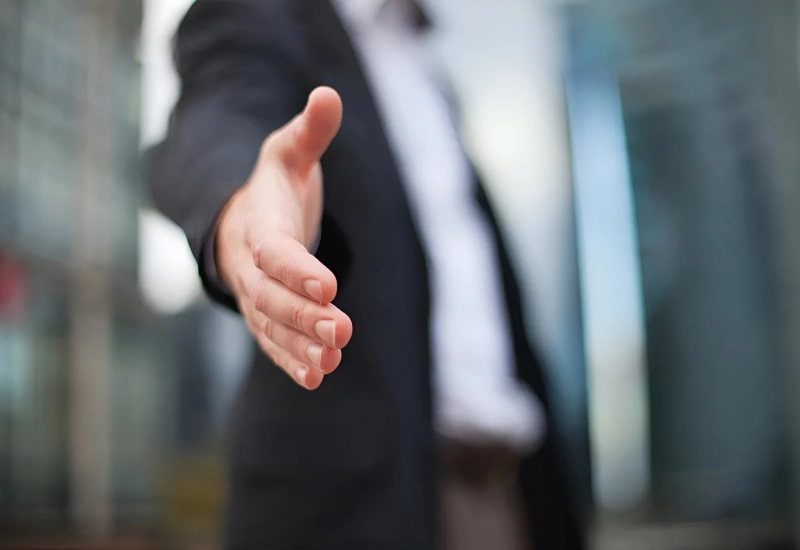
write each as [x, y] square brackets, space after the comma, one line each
[336, 64]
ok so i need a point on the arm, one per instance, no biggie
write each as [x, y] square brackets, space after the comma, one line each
[260, 199]
[235, 91]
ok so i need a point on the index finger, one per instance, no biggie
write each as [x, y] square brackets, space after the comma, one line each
[289, 262]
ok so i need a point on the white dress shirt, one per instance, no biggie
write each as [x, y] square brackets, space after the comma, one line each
[477, 396]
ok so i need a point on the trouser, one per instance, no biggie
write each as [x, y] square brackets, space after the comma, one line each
[481, 505]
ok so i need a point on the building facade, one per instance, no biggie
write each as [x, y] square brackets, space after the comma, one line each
[79, 406]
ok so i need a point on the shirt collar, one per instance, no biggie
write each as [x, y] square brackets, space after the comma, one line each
[361, 14]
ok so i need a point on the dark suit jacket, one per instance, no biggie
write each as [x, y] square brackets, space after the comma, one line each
[352, 465]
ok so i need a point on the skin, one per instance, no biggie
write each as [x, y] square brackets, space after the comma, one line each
[284, 293]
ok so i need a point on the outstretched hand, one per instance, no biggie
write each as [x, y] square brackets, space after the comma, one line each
[284, 293]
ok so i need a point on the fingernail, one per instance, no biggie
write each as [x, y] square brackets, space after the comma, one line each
[301, 373]
[314, 352]
[327, 331]
[313, 289]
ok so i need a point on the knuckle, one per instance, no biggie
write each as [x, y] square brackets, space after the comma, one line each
[258, 250]
[297, 314]
[285, 268]
[298, 343]
[269, 329]
[260, 296]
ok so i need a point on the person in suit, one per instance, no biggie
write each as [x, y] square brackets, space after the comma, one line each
[434, 429]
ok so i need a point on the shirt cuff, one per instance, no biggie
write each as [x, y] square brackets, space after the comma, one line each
[209, 266]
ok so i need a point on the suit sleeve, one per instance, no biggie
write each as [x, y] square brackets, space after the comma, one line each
[239, 82]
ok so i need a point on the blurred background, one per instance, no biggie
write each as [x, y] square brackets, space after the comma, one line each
[645, 158]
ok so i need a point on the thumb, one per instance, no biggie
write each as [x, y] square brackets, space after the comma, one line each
[300, 144]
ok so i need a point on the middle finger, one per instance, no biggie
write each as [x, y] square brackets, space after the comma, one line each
[325, 323]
